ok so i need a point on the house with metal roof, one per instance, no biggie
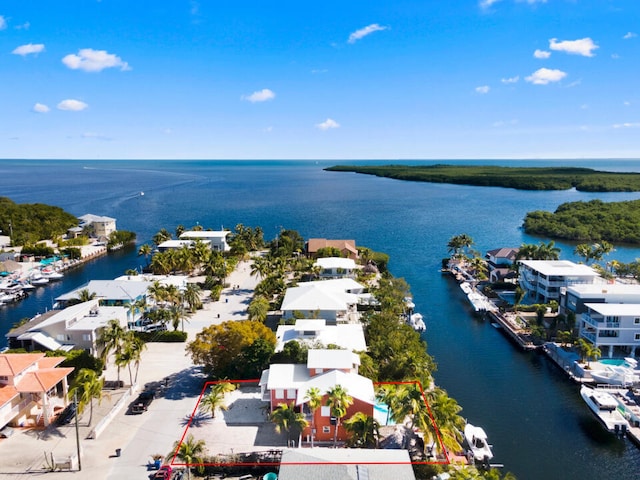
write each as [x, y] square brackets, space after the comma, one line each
[311, 332]
[216, 239]
[336, 267]
[347, 248]
[334, 300]
[32, 386]
[102, 226]
[543, 280]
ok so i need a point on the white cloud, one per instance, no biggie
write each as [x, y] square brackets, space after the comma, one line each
[627, 125]
[363, 32]
[28, 49]
[582, 46]
[72, 105]
[40, 108]
[259, 96]
[541, 54]
[328, 124]
[3, 23]
[24, 26]
[510, 79]
[487, 3]
[91, 60]
[629, 35]
[483, 89]
[543, 76]
[626, 103]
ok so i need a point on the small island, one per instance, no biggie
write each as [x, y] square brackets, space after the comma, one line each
[520, 178]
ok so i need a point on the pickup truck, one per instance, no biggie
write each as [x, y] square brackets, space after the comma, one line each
[143, 401]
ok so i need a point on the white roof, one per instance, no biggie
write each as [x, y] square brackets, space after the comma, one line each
[87, 316]
[345, 335]
[44, 340]
[560, 268]
[89, 218]
[336, 262]
[604, 288]
[326, 359]
[175, 243]
[285, 375]
[316, 298]
[615, 309]
[356, 385]
[123, 290]
[204, 234]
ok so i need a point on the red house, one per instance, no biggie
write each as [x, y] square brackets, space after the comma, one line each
[289, 383]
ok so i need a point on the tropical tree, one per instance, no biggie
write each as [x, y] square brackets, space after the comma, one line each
[162, 236]
[338, 401]
[445, 415]
[130, 353]
[364, 431]
[111, 338]
[458, 243]
[314, 400]
[519, 295]
[216, 398]
[86, 387]
[83, 295]
[191, 296]
[258, 308]
[178, 315]
[190, 451]
[287, 419]
[145, 250]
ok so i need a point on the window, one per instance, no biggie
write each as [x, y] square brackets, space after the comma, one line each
[86, 337]
[637, 337]
[279, 393]
[60, 337]
[291, 393]
[325, 411]
[326, 429]
[636, 320]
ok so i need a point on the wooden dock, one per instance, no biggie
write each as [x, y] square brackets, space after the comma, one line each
[513, 331]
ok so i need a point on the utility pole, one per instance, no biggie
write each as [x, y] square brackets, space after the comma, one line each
[75, 401]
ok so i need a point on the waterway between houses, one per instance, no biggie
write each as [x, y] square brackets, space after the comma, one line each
[533, 415]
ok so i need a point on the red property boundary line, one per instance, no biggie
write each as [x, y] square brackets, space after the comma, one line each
[273, 464]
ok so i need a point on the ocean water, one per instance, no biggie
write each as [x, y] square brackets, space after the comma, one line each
[534, 417]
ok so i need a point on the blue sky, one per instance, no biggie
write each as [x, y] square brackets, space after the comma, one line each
[408, 79]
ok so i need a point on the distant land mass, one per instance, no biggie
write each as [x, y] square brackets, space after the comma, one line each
[520, 178]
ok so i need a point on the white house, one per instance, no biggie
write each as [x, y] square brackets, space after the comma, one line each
[544, 279]
[612, 325]
[216, 239]
[336, 267]
[313, 332]
[174, 245]
[102, 226]
[74, 328]
[110, 292]
[574, 297]
[333, 300]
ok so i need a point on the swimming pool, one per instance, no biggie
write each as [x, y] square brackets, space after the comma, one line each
[614, 362]
[381, 414]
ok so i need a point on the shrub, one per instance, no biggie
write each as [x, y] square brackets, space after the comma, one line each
[163, 337]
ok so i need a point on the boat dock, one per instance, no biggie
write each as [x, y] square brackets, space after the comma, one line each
[629, 406]
[519, 335]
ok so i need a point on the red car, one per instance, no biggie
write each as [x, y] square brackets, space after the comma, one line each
[164, 473]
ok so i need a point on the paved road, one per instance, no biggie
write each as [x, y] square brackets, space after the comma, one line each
[137, 436]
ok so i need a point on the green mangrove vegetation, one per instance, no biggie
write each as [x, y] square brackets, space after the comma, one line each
[592, 221]
[520, 178]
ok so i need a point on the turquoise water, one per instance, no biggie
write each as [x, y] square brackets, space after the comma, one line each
[533, 415]
[381, 414]
[612, 361]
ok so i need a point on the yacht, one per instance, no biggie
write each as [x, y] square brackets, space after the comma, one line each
[624, 375]
[477, 440]
[605, 408]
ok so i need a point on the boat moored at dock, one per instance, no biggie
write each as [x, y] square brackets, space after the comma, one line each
[605, 407]
[477, 441]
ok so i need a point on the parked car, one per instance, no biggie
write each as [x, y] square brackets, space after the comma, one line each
[164, 473]
[143, 401]
[66, 415]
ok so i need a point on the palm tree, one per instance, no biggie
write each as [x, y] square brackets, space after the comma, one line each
[445, 415]
[338, 402]
[178, 315]
[458, 243]
[111, 339]
[548, 251]
[87, 386]
[215, 398]
[314, 400]
[364, 431]
[191, 296]
[286, 418]
[190, 451]
[585, 251]
[84, 295]
[258, 308]
[131, 352]
[145, 250]
[162, 236]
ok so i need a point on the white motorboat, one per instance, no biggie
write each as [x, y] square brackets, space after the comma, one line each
[605, 408]
[466, 288]
[52, 275]
[624, 375]
[38, 279]
[417, 323]
[477, 440]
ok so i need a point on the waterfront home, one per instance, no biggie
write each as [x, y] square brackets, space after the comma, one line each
[312, 332]
[76, 327]
[101, 226]
[336, 267]
[333, 300]
[174, 245]
[543, 280]
[347, 248]
[119, 292]
[32, 386]
[500, 263]
[345, 464]
[216, 239]
[574, 297]
[289, 384]
[611, 325]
